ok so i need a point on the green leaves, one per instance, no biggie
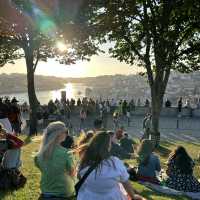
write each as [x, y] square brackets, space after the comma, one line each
[45, 24]
[155, 32]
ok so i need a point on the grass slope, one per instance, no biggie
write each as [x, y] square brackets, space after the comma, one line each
[32, 189]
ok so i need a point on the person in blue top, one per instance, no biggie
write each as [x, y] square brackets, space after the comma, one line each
[149, 163]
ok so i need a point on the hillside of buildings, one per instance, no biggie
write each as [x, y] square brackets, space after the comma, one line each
[118, 86]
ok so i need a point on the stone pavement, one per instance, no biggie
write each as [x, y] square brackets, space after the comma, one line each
[188, 128]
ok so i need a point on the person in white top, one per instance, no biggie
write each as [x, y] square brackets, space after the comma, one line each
[113, 103]
[109, 180]
[4, 109]
[187, 104]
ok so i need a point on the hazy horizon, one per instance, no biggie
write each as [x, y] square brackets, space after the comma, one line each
[67, 76]
[98, 66]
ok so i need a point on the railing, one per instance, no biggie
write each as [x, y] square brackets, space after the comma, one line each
[168, 112]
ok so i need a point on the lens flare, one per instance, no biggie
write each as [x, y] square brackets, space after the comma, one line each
[39, 16]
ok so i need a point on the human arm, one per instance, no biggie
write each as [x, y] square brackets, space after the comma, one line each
[124, 180]
[15, 142]
[131, 192]
[70, 165]
[158, 166]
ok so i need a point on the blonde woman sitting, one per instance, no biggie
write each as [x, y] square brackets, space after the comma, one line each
[56, 164]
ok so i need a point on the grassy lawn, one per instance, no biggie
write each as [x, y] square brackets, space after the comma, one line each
[32, 189]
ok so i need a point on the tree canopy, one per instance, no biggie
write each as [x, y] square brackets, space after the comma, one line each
[34, 30]
[159, 35]
[42, 25]
[145, 28]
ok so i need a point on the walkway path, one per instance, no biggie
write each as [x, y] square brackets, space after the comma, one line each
[188, 130]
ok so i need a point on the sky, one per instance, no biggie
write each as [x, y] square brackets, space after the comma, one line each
[98, 65]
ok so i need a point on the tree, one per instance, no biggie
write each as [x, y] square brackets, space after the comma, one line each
[159, 35]
[31, 30]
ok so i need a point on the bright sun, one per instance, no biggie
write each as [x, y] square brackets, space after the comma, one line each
[61, 46]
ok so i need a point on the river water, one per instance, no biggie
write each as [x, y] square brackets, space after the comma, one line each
[73, 90]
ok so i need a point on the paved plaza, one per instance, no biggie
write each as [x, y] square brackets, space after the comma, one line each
[188, 128]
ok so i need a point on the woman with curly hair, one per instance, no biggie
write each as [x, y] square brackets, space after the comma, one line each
[180, 172]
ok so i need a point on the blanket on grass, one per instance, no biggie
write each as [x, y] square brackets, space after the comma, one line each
[169, 191]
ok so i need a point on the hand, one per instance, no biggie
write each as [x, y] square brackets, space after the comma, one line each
[2, 135]
[138, 197]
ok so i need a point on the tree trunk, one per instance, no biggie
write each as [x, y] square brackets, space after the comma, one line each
[33, 102]
[157, 100]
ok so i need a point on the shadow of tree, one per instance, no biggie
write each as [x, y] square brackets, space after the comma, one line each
[167, 143]
[149, 194]
[27, 140]
[163, 151]
[4, 194]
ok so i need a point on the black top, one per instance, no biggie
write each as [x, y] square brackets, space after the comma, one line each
[3, 110]
[118, 151]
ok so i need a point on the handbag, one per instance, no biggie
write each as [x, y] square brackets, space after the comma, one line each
[82, 180]
[11, 179]
[132, 174]
[3, 145]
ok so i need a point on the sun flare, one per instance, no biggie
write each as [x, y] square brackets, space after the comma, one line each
[69, 92]
[61, 46]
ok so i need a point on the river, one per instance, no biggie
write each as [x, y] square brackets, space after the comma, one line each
[73, 90]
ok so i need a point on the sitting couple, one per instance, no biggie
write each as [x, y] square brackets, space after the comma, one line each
[179, 168]
[107, 177]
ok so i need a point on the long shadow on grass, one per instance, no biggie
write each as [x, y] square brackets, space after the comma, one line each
[3, 194]
[192, 143]
[27, 140]
[163, 151]
[167, 143]
[148, 194]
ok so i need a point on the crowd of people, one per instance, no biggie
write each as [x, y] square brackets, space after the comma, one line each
[181, 104]
[119, 109]
[91, 165]
[100, 105]
[10, 115]
[63, 110]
